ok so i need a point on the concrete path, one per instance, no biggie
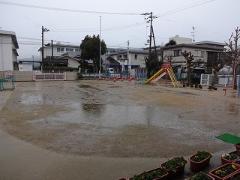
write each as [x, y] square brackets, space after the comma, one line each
[4, 96]
[23, 161]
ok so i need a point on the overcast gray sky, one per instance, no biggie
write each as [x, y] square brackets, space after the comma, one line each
[214, 20]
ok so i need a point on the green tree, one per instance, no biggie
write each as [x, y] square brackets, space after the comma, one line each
[90, 49]
[189, 63]
[152, 64]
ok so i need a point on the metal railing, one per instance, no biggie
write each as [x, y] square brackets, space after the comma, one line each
[6, 80]
[223, 80]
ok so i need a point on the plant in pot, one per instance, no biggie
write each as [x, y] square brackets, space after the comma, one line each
[175, 166]
[200, 160]
[225, 171]
[238, 148]
[201, 176]
[156, 174]
[229, 157]
[236, 176]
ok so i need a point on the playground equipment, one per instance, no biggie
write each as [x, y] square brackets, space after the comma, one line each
[165, 70]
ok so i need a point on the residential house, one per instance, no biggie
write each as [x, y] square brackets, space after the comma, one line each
[58, 50]
[127, 59]
[205, 53]
[8, 50]
[61, 64]
[61, 57]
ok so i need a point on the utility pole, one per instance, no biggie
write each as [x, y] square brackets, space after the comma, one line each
[43, 30]
[151, 57]
[128, 62]
[52, 47]
[100, 52]
[193, 33]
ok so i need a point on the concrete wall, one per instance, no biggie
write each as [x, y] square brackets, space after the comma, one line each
[6, 53]
[71, 76]
[23, 75]
[28, 76]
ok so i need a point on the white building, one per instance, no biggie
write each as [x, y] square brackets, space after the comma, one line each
[60, 49]
[8, 50]
[134, 58]
[181, 40]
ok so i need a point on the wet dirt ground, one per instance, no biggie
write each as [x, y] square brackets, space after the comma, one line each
[124, 127]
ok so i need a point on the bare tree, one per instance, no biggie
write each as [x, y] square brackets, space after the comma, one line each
[233, 51]
[189, 63]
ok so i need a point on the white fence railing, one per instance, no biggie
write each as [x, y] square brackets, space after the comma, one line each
[49, 76]
[224, 80]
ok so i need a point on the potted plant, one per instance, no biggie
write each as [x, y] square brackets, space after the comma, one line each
[200, 160]
[224, 172]
[174, 166]
[201, 176]
[155, 174]
[229, 157]
[238, 148]
[236, 176]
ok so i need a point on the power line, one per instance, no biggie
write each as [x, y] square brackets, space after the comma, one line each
[66, 10]
[174, 11]
[106, 29]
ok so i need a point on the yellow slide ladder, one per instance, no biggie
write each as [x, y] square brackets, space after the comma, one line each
[168, 69]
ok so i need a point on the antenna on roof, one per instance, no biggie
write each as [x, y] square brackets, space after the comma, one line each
[193, 33]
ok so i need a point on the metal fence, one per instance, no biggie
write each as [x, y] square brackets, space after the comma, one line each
[223, 80]
[6, 80]
[38, 76]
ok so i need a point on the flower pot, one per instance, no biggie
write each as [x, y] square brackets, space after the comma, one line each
[174, 173]
[198, 166]
[175, 167]
[237, 148]
[236, 176]
[224, 172]
[230, 159]
[144, 174]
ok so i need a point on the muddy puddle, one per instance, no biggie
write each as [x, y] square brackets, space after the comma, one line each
[117, 120]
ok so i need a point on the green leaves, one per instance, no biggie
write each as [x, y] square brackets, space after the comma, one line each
[201, 155]
[90, 49]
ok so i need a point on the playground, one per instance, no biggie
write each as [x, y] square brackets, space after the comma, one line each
[121, 124]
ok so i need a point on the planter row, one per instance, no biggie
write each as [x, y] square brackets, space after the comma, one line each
[230, 169]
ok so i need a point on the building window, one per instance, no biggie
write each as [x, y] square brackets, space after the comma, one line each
[58, 49]
[76, 50]
[135, 56]
[69, 49]
[62, 49]
[176, 53]
[202, 53]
